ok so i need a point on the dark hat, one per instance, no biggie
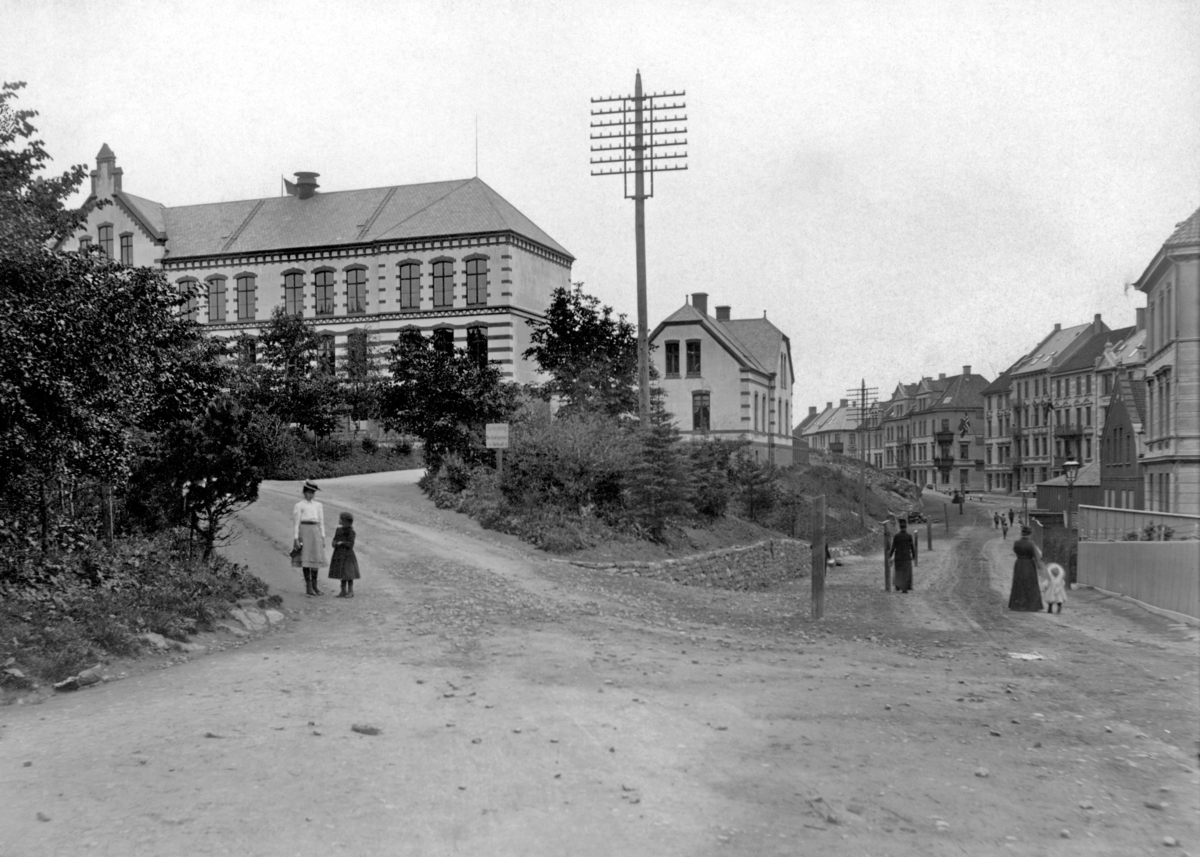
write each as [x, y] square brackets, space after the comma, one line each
[310, 486]
[903, 524]
[1027, 531]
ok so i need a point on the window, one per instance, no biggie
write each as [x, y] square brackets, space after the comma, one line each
[1058, 386]
[476, 281]
[325, 286]
[673, 358]
[85, 243]
[326, 354]
[477, 345]
[964, 450]
[293, 293]
[190, 290]
[700, 411]
[358, 358]
[106, 240]
[443, 283]
[246, 350]
[127, 248]
[356, 291]
[216, 299]
[693, 357]
[410, 285]
[443, 341]
[245, 297]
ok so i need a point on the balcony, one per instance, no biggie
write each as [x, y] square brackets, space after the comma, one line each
[1068, 431]
[1017, 433]
[943, 463]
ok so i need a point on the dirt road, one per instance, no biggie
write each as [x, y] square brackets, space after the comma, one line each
[530, 707]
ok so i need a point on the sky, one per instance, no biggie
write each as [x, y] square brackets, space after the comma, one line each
[903, 187]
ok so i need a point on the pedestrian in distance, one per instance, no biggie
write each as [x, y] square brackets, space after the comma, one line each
[1011, 516]
[344, 564]
[995, 520]
[1004, 527]
[1054, 590]
[1026, 591]
[308, 534]
[903, 552]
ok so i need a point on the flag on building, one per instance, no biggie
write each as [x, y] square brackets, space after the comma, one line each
[964, 427]
[289, 188]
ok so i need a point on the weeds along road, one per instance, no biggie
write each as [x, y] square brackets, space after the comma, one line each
[530, 707]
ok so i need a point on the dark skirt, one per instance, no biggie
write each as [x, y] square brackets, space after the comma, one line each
[902, 579]
[344, 565]
[1026, 591]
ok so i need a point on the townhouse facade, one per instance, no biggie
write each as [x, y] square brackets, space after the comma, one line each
[1171, 283]
[727, 377]
[452, 260]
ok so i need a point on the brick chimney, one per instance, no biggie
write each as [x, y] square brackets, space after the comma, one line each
[941, 376]
[812, 410]
[722, 313]
[1097, 325]
[700, 301]
[843, 403]
[1057, 326]
[306, 184]
[966, 370]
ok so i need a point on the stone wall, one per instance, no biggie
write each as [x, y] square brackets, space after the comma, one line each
[756, 566]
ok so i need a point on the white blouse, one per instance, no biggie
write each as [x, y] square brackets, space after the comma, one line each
[307, 510]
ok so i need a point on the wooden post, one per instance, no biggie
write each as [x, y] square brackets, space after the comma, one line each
[818, 558]
[946, 515]
[500, 464]
[887, 560]
[929, 535]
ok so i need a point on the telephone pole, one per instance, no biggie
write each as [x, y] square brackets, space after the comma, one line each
[864, 411]
[627, 148]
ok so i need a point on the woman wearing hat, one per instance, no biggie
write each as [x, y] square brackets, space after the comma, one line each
[308, 532]
[903, 551]
[1026, 590]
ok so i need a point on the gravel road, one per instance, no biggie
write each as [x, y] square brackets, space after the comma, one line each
[525, 706]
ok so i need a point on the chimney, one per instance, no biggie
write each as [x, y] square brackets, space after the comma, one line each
[306, 184]
[966, 370]
[722, 313]
[843, 404]
[1097, 325]
[700, 301]
[829, 406]
[106, 178]
[941, 376]
[812, 410]
[1141, 318]
[1057, 326]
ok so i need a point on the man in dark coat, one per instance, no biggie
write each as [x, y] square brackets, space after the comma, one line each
[903, 552]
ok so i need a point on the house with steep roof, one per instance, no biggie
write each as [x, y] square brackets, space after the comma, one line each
[726, 377]
[1122, 445]
[834, 429]
[452, 259]
[1074, 397]
[1171, 283]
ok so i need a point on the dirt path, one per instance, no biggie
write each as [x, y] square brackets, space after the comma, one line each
[530, 707]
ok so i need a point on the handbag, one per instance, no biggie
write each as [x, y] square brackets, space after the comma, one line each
[297, 550]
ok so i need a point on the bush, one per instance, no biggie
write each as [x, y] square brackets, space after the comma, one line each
[370, 446]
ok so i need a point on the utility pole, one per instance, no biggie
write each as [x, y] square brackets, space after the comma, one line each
[866, 403]
[629, 148]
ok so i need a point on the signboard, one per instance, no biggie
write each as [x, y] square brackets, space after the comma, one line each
[497, 435]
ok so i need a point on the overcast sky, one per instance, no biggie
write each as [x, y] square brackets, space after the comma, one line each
[903, 187]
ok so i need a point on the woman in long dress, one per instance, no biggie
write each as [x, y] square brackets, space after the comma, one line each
[308, 531]
[1026, 589]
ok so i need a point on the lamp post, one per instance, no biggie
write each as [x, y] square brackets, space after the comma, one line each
[1071, 472]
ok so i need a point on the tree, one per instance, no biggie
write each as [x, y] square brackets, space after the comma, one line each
[590, 355]
[444, 397]
[661, 482]
[293, 380]
[201, 471]
[359, 376]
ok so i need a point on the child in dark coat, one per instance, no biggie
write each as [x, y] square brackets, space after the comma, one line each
[344, 564]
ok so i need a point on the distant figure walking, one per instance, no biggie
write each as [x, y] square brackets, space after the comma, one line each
[1011, 516]
[1055, 589]
[308, 532]
[903, 551]
[1026, 592]
[1004, 527]
[995, 520]
[344, 565]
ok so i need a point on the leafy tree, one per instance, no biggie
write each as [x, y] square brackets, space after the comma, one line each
[590, 355]
[445, 398]
[757, 483]
[712, 463]
[32, 206]
[360, 376]
[290, 379]
[201, 471]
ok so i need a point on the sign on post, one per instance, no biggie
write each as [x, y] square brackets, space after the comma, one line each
[497, 435]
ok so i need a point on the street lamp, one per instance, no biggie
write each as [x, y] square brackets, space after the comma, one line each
[1071, 471]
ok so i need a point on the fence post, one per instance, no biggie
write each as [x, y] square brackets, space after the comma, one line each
[946, 515]
[929, 534]
[818, 558]
[887, 560]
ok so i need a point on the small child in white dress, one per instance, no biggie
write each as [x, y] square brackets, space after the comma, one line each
[1054, 590]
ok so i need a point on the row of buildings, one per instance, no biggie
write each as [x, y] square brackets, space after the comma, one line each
[1123, 403]
[451, 260]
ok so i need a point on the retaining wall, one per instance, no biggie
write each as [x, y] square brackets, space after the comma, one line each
[1161, 574]
[756, 566]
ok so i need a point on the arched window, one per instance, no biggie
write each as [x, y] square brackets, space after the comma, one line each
[326, 354]
[410, 285]
[325, 282]
[411, 335]
[293, 293]
[189, 289]
[477, 345]
[246, 303]
[476, 280]
[356, 290]
[216, 299]
[443, 283]
[443, 341]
